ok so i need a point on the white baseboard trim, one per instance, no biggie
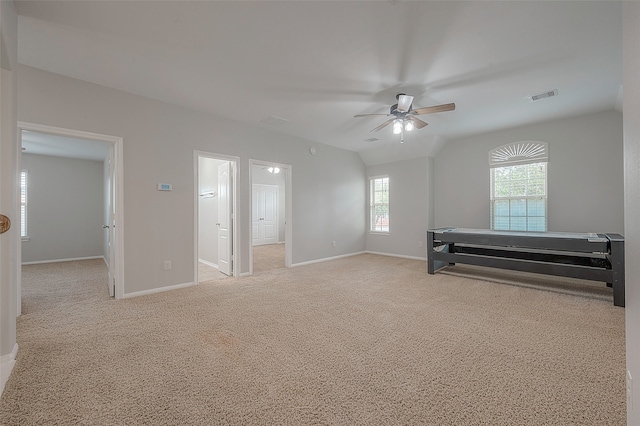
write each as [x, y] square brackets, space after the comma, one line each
[326, 259]
[244, 274]
[64, 260]
[206, 262]
[267, 244]
[6, 366]
[397, 255]
[157, 290]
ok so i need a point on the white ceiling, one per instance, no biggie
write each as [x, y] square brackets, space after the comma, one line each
[319, 63]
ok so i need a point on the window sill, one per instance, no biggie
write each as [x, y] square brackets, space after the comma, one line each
[378, 233]
[24, 238]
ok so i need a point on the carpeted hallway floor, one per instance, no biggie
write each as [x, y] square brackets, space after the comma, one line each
[265, 258]
[268, 257]
[365, 340]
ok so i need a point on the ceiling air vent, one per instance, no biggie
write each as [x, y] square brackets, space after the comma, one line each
[543, 95]
[274, 121]
[371, 140]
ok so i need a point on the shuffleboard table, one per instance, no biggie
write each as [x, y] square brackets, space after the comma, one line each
[588, 256]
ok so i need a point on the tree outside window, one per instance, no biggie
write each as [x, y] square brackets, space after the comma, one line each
[23, 204]
[518, 176]
[379, 204]
[519, 200]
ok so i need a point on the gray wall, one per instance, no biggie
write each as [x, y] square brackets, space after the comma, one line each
[410, 207]
[631, 70]
[159, 139]
[9, 248]
[585, 174]
[65, 208]
[260, 175]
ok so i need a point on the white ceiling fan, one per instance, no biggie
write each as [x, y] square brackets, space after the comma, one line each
[403, 116]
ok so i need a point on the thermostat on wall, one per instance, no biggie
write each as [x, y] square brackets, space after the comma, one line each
[164, 187]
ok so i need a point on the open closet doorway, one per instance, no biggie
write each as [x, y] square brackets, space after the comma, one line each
[215, 211]
[71, 194]
[270, 216]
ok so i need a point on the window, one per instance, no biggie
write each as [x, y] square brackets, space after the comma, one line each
[518, 177]
[23, 204]
[379, 204]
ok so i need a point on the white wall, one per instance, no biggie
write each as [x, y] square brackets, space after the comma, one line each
[410, 187]
[159, 140]
[260, 175]
[585, 177]
[65, 208]
[631, 103]
[9, 253]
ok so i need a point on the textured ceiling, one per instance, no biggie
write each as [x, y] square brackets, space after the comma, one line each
[319, 63]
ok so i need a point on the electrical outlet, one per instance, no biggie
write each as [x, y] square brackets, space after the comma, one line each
[629, 391]
[167, 265]
[333, 243]
[420, 243]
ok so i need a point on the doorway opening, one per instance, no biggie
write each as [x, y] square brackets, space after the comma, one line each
[215, 212]
[271, 230]
[90, 161]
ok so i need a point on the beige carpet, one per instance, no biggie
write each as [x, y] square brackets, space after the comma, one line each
[208, 273]
[366, 340]
[268, 257]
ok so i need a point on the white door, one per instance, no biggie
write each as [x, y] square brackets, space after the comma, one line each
[225, 251]
[265, 214]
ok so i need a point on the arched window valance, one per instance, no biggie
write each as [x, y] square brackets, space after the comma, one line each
[519, 153]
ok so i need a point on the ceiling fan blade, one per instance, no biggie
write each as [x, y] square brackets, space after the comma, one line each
[432, 109]
[417, 122]
[370, 115]
[383, 125]
[404, 102]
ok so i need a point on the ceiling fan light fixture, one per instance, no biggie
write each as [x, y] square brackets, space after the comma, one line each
[403, 115]
[397, 126]
[274, 170]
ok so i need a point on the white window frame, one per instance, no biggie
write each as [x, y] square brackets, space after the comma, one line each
[375, 206]
[516, 155]
[24, 200]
